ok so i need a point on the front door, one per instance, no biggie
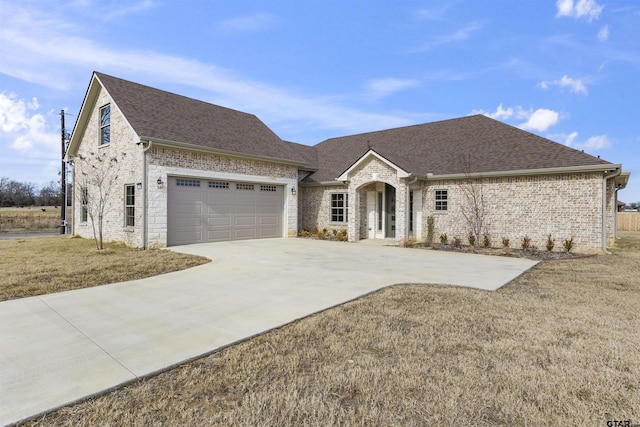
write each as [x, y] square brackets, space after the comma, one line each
[390, 211]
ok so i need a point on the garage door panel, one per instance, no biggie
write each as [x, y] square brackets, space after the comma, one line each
[222, 221]
[269, 221]
[218, 235]
[246, 233]
[220, 210]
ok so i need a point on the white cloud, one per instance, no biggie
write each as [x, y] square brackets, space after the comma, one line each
[574, 85]
[23, 131]
[245, 24]
[593, 143]
[589, 9]
[603, 34]
[539, 120]
[35, 56]
[380, 88]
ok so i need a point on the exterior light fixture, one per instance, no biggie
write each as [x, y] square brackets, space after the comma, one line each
[160, 183]
[139, 186]
[293, 191]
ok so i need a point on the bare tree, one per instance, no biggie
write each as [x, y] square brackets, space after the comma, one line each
[474, 210]
[95, 181]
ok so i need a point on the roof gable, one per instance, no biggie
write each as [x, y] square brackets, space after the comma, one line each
[163, 116]
[369, 154]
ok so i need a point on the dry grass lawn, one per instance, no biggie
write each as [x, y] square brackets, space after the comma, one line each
[558, 346]
[43, 265]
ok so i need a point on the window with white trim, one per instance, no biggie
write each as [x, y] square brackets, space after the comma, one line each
[105, 125]
[250, 187]
[84, 202]
[129, 205]
[339, 207]
[442, 200]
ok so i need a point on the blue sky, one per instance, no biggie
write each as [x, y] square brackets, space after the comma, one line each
[568, 70]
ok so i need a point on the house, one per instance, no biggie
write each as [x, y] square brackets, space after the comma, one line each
[177, 171]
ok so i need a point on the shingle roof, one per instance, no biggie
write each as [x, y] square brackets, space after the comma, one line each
[441, 147]
[438, 148]
[166, 116]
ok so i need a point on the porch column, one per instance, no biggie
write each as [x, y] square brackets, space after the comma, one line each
[402, 205]
[353, 228]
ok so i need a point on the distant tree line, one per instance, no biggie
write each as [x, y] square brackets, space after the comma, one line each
[15, 193]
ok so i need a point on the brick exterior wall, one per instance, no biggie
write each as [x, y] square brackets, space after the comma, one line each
[314, 209]
[161, 163]
[127, 170]
[563, 205]
[164, 162]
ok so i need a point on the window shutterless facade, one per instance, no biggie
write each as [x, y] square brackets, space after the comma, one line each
[129, 205]
[339, 207]
[84, 202]
[442, 200]
[105, 125]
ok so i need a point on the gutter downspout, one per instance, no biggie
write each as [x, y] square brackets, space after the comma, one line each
[604, 208]
[145, 232]
[615, 214]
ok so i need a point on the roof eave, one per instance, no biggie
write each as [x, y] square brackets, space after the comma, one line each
[200, 148]
[524, 172]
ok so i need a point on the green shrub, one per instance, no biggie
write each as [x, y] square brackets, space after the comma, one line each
[444, 239]
[526, 243]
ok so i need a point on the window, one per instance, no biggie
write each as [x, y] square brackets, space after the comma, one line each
[180, 182]
[84, 202]
[129, 205]
[105, 125]
[410, 211]
[268, 188]
[218, 184]
[441, 200]
[245, 187]
[339, 207]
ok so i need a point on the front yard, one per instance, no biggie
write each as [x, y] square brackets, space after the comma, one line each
[42, 265]
[558, 346]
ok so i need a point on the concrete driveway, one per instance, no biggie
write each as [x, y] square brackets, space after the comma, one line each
[59, 348]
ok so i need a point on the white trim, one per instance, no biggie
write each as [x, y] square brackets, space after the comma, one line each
[345, 175]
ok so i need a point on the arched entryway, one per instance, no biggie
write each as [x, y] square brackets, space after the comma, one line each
[377, 211]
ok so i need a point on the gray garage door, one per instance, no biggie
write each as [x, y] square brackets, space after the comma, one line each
[203, 210]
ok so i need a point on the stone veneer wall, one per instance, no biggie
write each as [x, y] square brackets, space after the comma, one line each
[164, 162]
[129, 171]
[565, 206]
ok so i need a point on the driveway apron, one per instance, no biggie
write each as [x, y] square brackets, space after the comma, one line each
[60, 348]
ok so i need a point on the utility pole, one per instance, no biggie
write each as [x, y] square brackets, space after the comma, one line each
[63, 178]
